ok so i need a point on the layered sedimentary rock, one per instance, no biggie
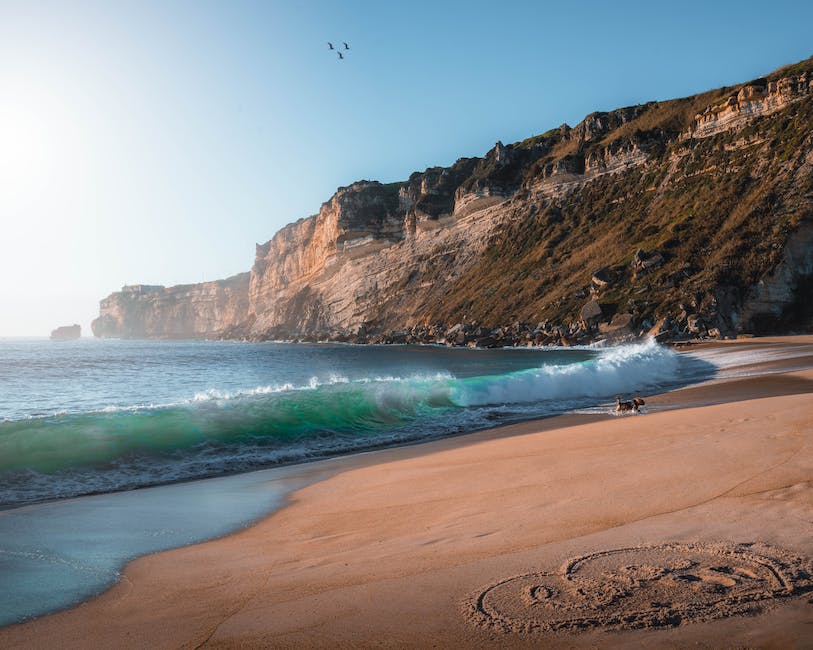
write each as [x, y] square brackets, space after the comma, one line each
[184, 311]
[694, 214]
[757, 98]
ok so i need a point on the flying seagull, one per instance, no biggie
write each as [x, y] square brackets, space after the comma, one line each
[330, 45]
[341, 56]
[346, 46]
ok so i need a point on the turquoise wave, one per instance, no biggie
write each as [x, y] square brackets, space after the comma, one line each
[217, 433]
[95, 439]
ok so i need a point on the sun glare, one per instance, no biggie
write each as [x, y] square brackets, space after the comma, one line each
[38, 148]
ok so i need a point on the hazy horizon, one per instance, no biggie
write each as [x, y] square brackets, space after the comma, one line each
[149, 144]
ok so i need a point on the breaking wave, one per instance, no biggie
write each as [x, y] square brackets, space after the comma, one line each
[217, 432]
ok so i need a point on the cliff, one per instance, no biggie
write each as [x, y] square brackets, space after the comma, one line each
[184, 311]
[690, 217]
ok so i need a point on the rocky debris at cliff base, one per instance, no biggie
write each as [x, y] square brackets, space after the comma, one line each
[621, 328]
[591, 313]
[646, 261]
[699, 318]
[601, 278]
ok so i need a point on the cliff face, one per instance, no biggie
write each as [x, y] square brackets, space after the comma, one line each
[695, 212]
[760, 97]
[203, 310]
[355, 224]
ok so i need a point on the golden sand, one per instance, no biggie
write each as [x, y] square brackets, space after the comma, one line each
[675, 528]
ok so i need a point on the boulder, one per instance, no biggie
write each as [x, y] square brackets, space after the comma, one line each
[591, 313]
[645, 261]
[695, 324]
[601, 278]
[621, 326]
[663, 330]
[654, 260]
[398, 337]
[452, 331]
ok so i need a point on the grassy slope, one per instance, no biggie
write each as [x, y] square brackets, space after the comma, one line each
[719, 209]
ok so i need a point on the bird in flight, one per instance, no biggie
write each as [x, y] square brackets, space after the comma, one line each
[341, 56]
[346, 46]
[330, 45]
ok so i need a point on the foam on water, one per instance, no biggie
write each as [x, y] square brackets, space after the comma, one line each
[750, 359]
[623, 369]
[107, 417]
[96, 417]
[220, 431]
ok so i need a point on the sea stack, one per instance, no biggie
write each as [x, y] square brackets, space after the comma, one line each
[66, 333]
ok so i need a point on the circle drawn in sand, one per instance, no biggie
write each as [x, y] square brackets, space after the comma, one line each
[643, 587]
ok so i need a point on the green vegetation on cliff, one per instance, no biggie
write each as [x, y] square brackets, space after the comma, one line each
[692, 215]
[718, 209]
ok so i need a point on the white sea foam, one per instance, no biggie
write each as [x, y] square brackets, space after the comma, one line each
[616, 370]
[214, 394]
[743, 362]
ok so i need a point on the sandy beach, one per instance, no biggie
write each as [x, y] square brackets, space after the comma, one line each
[691, 524]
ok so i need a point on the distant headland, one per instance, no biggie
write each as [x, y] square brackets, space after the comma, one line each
[66, 333]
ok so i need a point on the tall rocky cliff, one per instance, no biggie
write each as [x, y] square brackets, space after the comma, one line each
[688, 217]
[184, 311]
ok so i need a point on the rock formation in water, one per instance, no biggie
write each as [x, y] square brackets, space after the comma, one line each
[66, 333]
[684, 218]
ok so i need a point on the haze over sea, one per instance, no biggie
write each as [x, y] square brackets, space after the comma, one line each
[103, 417]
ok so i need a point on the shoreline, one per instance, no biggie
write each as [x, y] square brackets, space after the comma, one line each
[784, 387]
[497, 397]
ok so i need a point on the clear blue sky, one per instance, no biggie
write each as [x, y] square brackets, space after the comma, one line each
[156, 142]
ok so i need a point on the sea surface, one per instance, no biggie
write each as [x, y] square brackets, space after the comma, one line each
[84, 423]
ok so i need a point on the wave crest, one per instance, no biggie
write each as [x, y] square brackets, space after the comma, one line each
[217, 431]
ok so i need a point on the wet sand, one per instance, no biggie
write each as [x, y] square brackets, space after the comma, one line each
[683, 526]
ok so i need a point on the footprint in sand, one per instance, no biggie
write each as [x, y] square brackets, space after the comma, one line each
[643, 587]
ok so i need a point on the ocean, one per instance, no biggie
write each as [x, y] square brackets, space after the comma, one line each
[89, 428]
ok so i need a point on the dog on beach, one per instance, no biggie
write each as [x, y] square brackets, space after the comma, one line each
[633, 406]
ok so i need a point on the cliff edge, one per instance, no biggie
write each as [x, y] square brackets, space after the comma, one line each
[684, 218]
[184, 311]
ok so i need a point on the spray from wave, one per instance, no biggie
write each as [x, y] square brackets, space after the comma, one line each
[622, 369]
[219, 432]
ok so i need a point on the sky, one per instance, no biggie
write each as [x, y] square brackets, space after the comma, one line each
[156, 142]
